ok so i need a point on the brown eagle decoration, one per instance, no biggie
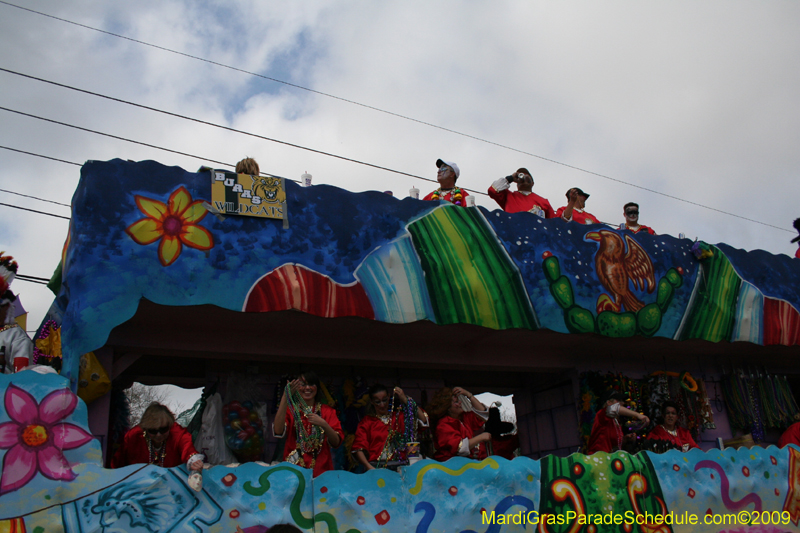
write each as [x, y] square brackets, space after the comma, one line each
[616, 268]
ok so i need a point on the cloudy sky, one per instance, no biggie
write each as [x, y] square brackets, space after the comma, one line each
[669, 104]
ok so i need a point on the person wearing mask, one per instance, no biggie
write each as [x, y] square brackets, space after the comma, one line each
[448, 190]
[631, 212]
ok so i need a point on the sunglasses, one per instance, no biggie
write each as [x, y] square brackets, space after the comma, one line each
[631, 213]
[443, 168]
[158, 431]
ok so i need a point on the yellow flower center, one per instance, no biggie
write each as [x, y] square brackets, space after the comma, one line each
[34, 435]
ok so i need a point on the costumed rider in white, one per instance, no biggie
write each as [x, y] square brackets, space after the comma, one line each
[16, 348]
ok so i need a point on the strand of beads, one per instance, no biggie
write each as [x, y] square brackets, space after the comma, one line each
[47, 328]
[155, 457]
[390, 446]
[457, 197]
[308, 442]
[758, 425]
[411, 421]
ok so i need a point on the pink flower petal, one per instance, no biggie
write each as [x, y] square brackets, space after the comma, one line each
[19, 466]
[69, 436]
[57, 405]
[9, 435]
[53, 465]
[20, 406]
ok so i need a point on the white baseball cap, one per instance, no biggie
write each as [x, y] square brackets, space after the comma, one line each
[440, 162]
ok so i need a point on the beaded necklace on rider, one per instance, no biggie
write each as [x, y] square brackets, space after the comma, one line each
[398, 439]
[456, 198]
[308, 442]
[155, 456]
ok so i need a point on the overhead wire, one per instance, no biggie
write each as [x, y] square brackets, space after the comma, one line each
[228, 128]
[398, 115]
[40, 155]
[199, 121]
[31, 279]
[35, 211]
[34, 197]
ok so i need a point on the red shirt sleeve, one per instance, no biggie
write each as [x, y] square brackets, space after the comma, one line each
[448, 438]
[361, 440]
[600, 439]
[183, 442]
[499, 196]
[474, 422]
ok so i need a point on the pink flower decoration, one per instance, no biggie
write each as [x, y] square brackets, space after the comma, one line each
[36, 436]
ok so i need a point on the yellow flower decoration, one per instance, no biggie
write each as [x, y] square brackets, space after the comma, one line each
[174, 223]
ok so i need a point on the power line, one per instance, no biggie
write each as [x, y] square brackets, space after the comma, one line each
[35, 211]
[199, 121]
[107, 135]
[227, 128]
[32, 279]
[276, 80]
[40, 155]
[34, 197]
[398, 115]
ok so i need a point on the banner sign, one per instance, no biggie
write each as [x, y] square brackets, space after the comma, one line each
[241, 194]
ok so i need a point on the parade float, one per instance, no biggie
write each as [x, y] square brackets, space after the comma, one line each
[197, 277]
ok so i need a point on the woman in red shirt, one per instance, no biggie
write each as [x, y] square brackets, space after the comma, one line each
[372, 445]
[158, 440]
[313, 427]
[670, 431]
[458, 432]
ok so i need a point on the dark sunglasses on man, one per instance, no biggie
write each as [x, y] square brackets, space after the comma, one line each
[631, 212]
[158, 431]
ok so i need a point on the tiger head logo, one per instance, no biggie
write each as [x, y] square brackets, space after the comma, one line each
[266, 187]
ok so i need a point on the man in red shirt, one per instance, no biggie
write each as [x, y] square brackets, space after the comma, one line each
[448, 190]
[523, 199]
[574, 210]
[631, 212]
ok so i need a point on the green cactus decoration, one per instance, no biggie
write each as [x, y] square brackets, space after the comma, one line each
[644, 322]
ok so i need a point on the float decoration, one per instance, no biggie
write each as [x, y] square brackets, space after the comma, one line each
[82, 497]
